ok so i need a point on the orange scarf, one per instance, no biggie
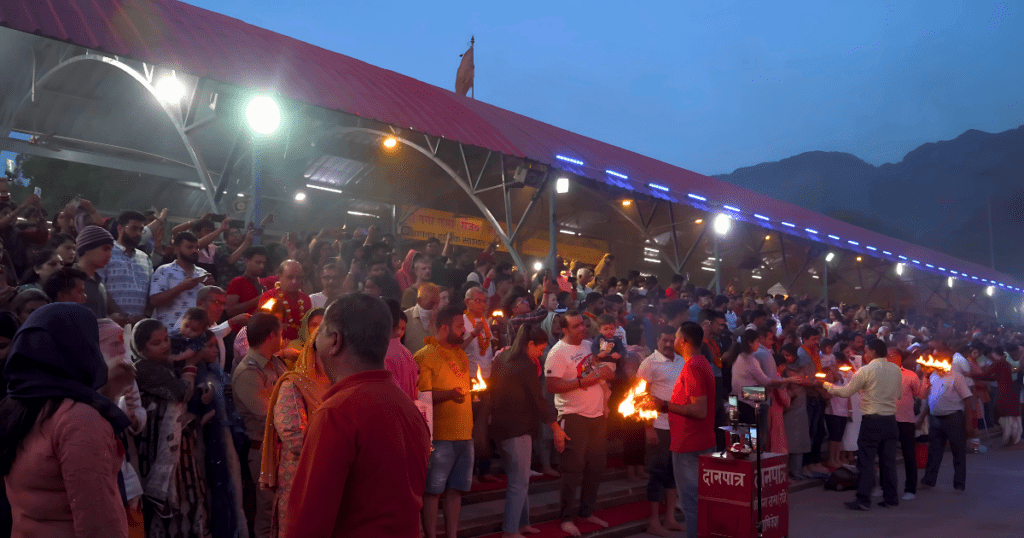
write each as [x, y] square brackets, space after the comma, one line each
[446, 353]
[484, 338]
[312, 384]
[716, 351]
[814, 357]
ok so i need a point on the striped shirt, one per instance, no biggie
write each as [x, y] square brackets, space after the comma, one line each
[880, 384]
[126, 279]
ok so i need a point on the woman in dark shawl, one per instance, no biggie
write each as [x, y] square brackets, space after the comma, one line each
[59, 450]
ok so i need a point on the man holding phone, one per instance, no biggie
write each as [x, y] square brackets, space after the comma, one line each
[173, 288]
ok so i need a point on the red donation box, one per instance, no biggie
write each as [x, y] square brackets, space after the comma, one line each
[727, 496]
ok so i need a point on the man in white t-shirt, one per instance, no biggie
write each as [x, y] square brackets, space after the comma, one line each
[331, 281]
[572, 375]
[947, 394]
[661, 371]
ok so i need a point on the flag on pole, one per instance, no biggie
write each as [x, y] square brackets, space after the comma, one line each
[464, 77]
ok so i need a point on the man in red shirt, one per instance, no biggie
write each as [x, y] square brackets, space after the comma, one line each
[691, 418]
[363, 467]
[288, 291]
[243, 293]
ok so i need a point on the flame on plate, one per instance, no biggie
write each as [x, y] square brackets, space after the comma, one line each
[638, 403]
[845, 368]
[269, 305]
[945, 366]
[478, 384]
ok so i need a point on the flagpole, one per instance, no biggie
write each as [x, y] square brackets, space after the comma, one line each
[472, 89]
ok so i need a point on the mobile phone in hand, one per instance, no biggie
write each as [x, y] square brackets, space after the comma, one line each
[37, 191]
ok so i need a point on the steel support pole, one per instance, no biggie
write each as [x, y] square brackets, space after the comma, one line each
[552, 260]
[255, 215]
[718, 269]
[825, 276]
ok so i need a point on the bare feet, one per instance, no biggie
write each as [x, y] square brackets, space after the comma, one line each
[597, 521]
[529, 530]
[550, 471]
[511, 535]
[816, 468]
[673, 525]
[570, 528]
[654, 527]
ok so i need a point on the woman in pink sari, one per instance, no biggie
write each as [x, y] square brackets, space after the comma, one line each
[780, 401]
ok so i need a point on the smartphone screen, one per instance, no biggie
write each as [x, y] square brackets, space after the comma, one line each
[38, 191]
[733, 401]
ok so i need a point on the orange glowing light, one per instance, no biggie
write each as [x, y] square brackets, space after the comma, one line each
[390, 142]
[638, 403]
[497, 314]
[269, 305]
[945, 366]
[845, 368]
[820, 375]
[478, 384]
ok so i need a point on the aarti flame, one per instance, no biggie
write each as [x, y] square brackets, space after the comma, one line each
[945, 366]
[845, 368]
[269, 305]
[478, 384]
[638, 403]
[820, 375]
[498, 314]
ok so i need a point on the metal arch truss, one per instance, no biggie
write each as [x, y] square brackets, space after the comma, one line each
[145, 80]
[644, 224]
[467, 184]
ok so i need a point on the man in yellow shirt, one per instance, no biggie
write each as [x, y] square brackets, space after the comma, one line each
[444, 372]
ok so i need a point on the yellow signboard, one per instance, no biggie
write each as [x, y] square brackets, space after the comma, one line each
[475, 232]
[466, 231]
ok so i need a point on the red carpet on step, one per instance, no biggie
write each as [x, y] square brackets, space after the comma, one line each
[615, 516]
[502, 480]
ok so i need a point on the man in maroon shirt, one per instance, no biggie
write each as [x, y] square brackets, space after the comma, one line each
[691, 418]
[363, 468]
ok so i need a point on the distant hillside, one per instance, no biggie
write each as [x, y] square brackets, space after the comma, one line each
[937, 196]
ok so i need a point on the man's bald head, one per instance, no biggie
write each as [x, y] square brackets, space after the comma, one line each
[290, 275]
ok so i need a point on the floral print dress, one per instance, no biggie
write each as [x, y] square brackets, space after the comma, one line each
[290, 420]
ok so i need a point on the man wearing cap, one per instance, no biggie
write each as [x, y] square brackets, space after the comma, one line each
[93, 247]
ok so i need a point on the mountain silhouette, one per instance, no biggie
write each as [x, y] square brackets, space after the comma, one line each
[938, 196]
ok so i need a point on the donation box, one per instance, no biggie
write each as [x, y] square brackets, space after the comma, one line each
[727, 496]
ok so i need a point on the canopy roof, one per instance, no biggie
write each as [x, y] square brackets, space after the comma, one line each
[173, 35]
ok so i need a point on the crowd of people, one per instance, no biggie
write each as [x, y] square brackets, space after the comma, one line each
[168, 388]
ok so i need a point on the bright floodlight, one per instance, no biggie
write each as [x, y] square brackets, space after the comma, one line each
[263, 114]
[831, 256]
[949, 282]
[991, 290]
[300, 196]
[562, 185]
[626, 202]
[390, 142]
[538, 265]
[169, 89]
[722, 224]
[899, 269]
